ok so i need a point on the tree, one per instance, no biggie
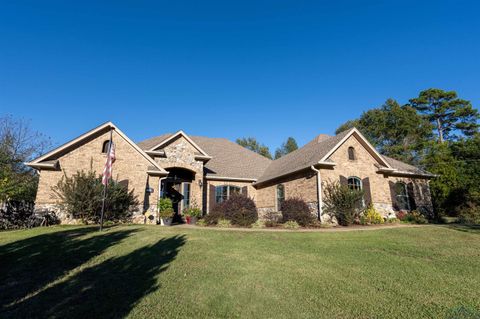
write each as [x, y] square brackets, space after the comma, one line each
[447, 112]
[252, 144]
[289, 146]
[81, 195]
[397, 131]
[18, 144]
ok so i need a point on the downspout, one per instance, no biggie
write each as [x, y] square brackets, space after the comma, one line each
[319, 194]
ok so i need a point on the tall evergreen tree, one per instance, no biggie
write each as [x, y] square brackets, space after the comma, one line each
[252, 144]
[449, 114]
[289, 146]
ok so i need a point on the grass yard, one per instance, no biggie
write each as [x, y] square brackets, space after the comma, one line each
[158, 272]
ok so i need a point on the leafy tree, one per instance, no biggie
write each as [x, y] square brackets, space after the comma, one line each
[397, 131]
[289, 146]
[252, 144]
[447, 112]
[81, 195]
[18, 144]
[342, 202]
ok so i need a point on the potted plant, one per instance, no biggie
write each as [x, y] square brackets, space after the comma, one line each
[165, 211]
[193, 214]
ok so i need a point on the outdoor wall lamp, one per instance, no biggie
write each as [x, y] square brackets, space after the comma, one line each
[200, 183]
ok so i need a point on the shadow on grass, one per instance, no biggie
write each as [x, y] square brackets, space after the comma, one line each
[474, 229]
[29, 264]
[107, 290]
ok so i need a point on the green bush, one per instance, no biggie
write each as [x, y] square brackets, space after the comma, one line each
[201, 223]
[239, 209]
[224, 223]
[258, 224]
[165, 208]
[297, 210]
[469, 213]
[371, 216]
[342, 202]
[291, 224]
[193, 211]
[415, 217]
[81, 195]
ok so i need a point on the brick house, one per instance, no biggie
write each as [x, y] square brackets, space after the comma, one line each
[202, 171]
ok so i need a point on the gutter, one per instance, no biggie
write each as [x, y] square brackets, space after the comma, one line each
[319, 194]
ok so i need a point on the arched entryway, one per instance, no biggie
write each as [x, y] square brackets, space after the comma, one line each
[177, 186]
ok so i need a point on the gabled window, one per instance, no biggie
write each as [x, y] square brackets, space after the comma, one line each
[401, 195]
[105, 146]
[223, 192]
[280, 196]
[351, 153]
[354, 183]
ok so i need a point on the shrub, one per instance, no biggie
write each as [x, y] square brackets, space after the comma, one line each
[415, 217]
[165, 208]
[297, 210]
[342, 202]
[272, 218]
[371, 216]
[238, 209]
[224, 223]
[392, 220]
[213, 217]
[258, 224]
[469, 213]
[193, 211]
[291, 224]
[201, 223]
[401, 215]
[81, 195]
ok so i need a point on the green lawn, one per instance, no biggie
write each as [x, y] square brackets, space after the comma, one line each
[158, 272]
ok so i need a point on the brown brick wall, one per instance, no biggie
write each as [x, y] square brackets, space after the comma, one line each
[129, 167]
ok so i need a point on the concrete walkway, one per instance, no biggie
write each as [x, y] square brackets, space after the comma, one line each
[305, 230]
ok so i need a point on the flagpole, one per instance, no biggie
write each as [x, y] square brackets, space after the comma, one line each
[106, 183]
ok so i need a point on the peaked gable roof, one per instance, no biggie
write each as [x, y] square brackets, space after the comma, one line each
[172, 137]
[228, 159]
[49, 159]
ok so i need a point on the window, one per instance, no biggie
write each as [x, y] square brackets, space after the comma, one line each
[105, 146]
[186, 195]
[354, 183]
[401, 194]
[351, 153]
[222, 193]
[280, 195]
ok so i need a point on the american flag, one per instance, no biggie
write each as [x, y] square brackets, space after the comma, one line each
[107, 170]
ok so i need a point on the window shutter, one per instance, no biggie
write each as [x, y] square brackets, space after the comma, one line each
[343, 180]
[211, 200]
[367, 192]
[245, 191]
[393, 195]
[411, 196]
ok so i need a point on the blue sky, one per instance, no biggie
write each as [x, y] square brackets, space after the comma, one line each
[269, 69]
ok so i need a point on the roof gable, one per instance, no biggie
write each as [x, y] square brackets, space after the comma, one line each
[363, 141]
[45, 160]
[171, 138]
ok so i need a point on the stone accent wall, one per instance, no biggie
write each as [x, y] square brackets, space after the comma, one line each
[180, 153]
[129, 168]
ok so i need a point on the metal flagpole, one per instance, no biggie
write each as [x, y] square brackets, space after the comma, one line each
[106, 181]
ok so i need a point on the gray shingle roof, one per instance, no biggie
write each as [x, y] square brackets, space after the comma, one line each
[303, 157]
[232, 160]
[228, 158]
[404, 167]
